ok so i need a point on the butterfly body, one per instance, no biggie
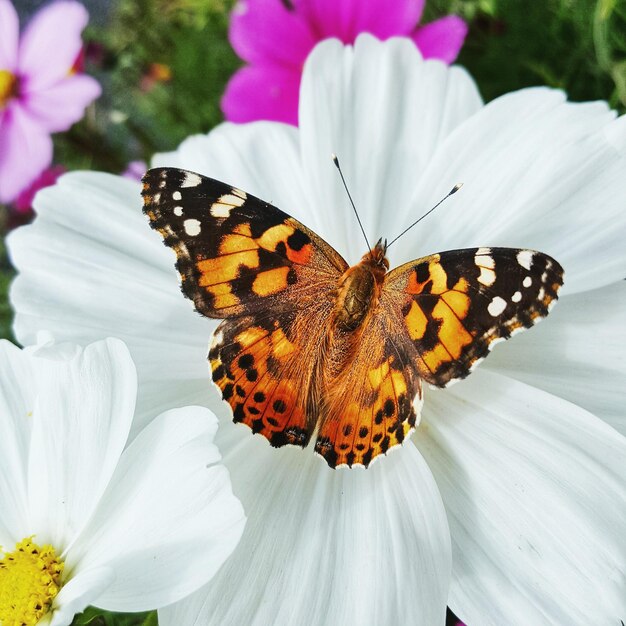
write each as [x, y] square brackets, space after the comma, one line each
[310, 346]
[359, 289]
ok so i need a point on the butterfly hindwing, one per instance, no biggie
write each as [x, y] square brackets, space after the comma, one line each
[260, 365]
[455, 305]
[373, 405]
[235, 253]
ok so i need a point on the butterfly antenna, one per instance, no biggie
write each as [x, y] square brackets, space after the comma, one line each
[343, 180]
[453, 190]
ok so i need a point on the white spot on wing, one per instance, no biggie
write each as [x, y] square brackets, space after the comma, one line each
[220, 210]
[482, 251]
[178, 210]
[527, 282]
[525, 258]
[177, 196]
[517, 331]
[484, 260]
[487, 277]
[517, 296]
[496, 306]
[191, 180]
[234, 200]
[192, 227]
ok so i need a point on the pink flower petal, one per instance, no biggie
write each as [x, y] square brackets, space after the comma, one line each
[51, 43]
[25, 151]
[262, 93]
[24, 201]
[9, 34]
[57, 107]
[263, 31]
[135, 170]
[349, 18]
[441, 39]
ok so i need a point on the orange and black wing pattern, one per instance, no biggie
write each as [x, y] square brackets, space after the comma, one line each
[281, 361]
[263, 366]
[236, 254]
[454, 306]
[270, 277]
[374, 404]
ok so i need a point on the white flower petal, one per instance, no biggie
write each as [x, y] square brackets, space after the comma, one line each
[579, 353]
[535, 495]
[532, 166]
[90, 267]
[17, 400]
[81, 421]
[327, 546]
[78, 593]
[515, 194]
[384, 113]
[251, 157]
[169, 518]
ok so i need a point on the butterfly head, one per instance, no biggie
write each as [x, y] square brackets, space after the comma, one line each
[376, 257]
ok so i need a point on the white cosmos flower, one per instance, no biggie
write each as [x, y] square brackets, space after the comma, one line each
[85, 520]
[525, 454]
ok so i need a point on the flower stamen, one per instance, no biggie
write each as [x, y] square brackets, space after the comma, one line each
[30, 579]
[8, 87]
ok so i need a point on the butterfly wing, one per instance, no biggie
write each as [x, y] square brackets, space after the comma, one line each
[264, 367]
[273, 280]
[373, 404]
[454, 306]
[236, 254]
[437, 318]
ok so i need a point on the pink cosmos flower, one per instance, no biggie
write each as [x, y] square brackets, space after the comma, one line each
[40, 91]
[275, 36]
[24, 201]
[135, 170]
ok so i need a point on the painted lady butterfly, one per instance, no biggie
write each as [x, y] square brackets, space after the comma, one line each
[309, 344]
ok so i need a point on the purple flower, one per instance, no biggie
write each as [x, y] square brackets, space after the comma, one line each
[135, 170]
[21, 209]
[40, 93]
[24, 201]
[275, 36]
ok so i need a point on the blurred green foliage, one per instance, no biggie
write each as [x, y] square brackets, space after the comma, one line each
[163, 66]
[5, 280]
[96, 617]
[575, 45]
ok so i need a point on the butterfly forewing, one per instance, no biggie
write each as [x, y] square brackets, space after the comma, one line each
[455, 305]
[235, 253]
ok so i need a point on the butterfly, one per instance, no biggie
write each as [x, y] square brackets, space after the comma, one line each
[311, 346]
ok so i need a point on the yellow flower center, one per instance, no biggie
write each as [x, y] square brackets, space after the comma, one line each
[8, 87]
[30, 578]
